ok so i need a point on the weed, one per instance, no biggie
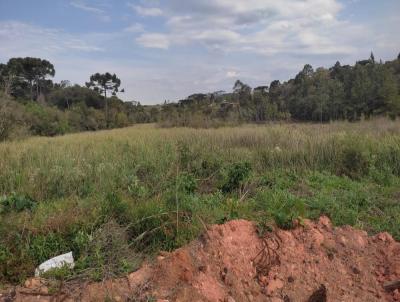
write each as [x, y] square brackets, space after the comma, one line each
[237, 174]
[16, 203]
[186, 183]
[354, 161]
[113, 207]
[108, 254]
[69, 189]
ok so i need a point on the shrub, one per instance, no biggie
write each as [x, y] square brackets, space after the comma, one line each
[44, 247]
[237, 174]
[354, 161]
[113, 207]
[186, 183]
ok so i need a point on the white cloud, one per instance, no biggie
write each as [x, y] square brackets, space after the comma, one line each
[154, 40]
[101, 14]
[21, 39]
[147, 11]
[232, 74]
[264, 27]
[134, 28]
[83, 6]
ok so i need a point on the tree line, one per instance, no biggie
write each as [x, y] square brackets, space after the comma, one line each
[341, 92]
[31, 103]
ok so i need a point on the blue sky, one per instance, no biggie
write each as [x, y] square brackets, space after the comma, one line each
[168, 49]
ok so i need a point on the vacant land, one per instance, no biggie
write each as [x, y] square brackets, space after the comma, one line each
[114, 197]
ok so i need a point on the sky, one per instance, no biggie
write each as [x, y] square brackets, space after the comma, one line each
[169, 49]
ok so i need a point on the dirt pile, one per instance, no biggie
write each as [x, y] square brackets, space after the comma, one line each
[231, 262]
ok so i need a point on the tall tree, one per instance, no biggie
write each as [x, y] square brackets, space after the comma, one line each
[33, 70]
[9, 75]
[243, 91]
[103, 83]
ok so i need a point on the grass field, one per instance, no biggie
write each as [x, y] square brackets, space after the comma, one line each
[114, 197]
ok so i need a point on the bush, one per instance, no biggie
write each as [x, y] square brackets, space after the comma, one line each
[186, 183]
[44, 247]
[237, 174]
[113, 207]
[354, 161]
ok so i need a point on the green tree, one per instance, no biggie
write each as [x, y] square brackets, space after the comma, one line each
[33, 70]
[242, 91]
[103, 83]
[9, 74]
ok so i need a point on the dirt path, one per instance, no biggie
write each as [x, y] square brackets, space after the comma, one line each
[230, 262]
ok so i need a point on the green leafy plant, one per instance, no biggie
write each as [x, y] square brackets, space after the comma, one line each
[237, 174]
[16, 203]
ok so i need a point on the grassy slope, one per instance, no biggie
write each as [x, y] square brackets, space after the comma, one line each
[156, 188]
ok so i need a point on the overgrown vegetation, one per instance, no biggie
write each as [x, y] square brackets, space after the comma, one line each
[115, 196]
[32, 104]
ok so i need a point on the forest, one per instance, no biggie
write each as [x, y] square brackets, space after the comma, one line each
[31, 103]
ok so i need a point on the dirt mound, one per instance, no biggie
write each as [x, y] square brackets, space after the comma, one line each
[231, 262]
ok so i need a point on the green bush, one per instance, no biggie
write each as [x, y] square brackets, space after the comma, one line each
[186, 183]
[237, 174]
[44, 247]
[113, 207]
[282, 206]
[354, 161]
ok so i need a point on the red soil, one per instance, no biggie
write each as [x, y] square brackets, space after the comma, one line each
[230, 262]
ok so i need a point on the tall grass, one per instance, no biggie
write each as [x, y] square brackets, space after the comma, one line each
[101, 162]
[137, 176]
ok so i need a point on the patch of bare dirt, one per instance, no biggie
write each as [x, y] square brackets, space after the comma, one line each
[314, 262]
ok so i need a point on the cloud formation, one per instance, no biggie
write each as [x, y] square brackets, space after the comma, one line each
[264, 27]
[146, 11]
[100, 13]
[154, 40]
[22, 39]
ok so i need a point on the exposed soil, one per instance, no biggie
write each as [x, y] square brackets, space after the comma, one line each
[231, 262]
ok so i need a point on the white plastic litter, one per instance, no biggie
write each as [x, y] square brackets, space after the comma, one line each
[56, 262]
